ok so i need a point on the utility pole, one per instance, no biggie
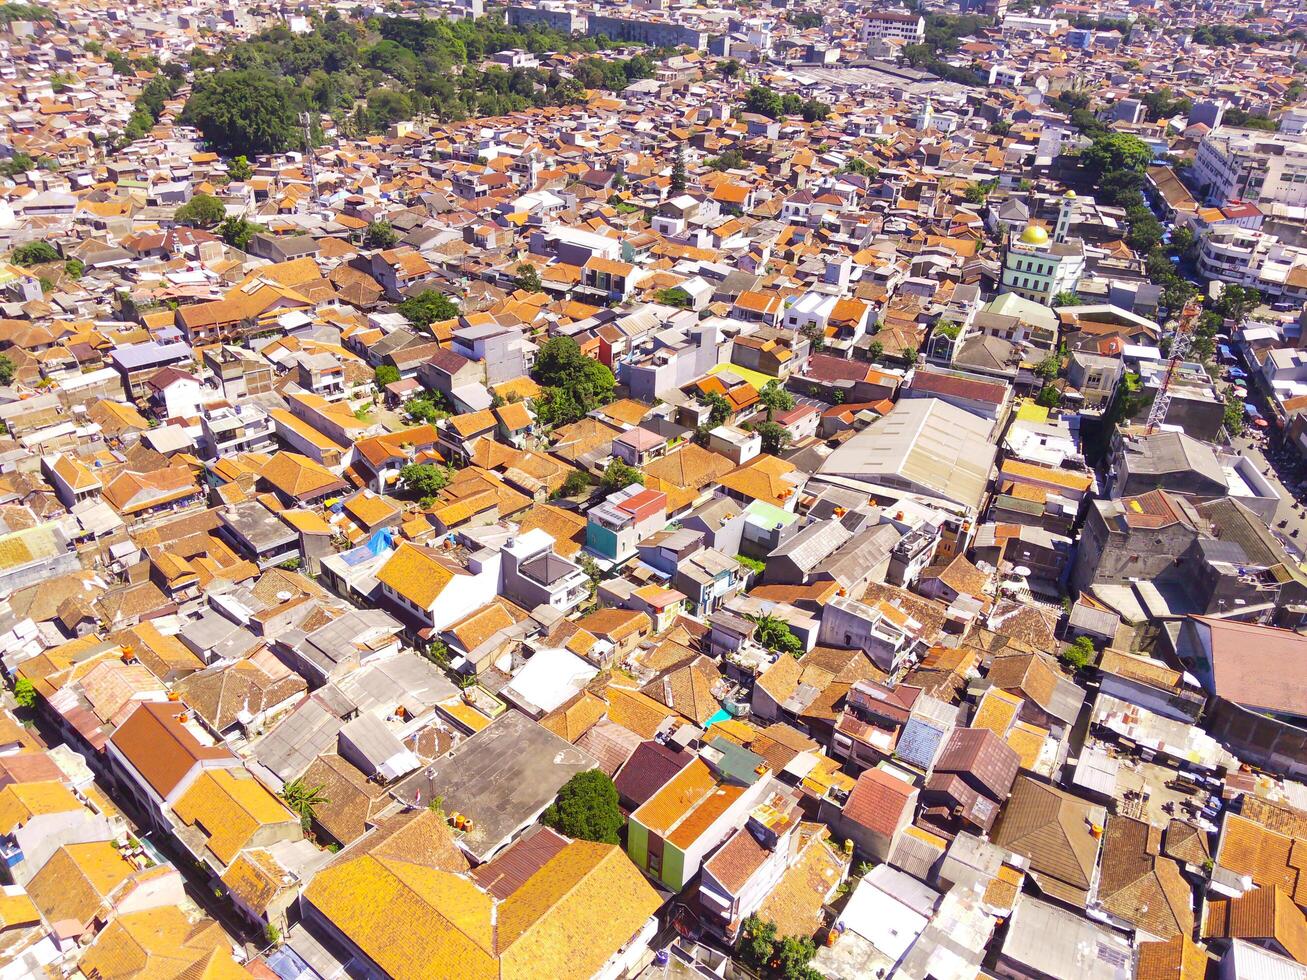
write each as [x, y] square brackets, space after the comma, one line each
[306, 122]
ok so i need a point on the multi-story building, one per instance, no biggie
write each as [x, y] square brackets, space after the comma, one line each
[1243, 164]
[895, 24]
[658, 33]
[625, 519]
[1244, 257]
[535, 575]
[1039, 267]
[243, 428]
[554, 17]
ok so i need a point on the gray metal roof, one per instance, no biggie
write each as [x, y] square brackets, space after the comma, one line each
[371, 739]
[503, 777]
[813, 544]
[857, 557]
[1054, 942]
[404, 679]
[925, 445]
[298, 739]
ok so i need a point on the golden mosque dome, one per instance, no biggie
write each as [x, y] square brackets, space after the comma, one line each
[1034, 235]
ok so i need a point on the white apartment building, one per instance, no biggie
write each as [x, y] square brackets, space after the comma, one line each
[896, 25]
[1248, 165]
[1244, 257]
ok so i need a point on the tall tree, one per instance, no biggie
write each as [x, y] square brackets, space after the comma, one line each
[775, 398]
[245, 111]
[380, 235]
[201, 211]
[587, 809]
[574, 384]
[427, 307]
[678, 171]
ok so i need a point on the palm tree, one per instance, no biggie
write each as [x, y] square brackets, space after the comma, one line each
[774, 634]
[303, 800]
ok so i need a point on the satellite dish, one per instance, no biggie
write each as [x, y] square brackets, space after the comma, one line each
[1021, 571]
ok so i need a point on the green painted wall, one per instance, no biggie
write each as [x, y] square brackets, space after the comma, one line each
[637, 844]
[601, 540]
[673, 875]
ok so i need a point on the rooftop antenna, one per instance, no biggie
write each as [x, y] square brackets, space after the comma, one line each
[306, 122]
[1180, 341]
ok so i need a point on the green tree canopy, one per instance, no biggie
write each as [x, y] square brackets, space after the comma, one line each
[618, 475]
[528, 278]
[201, 211]
[380, 235]
[424, 480]
[1116, 151]
[240, 169]
[678, 171]
[775, 398]
[303, 800]
[757, 942]
[814, 110]
[577, 482]
[1236, 302]
[242, 112]
[427, 307]
[719, 409]
[587, 809]
[775, 634]
[574, 384]
[730, 160]
[385, 374]
[24, 693]
[675, 296]
[775, 436]
[34, 253]
[764, 101]
[238, 233]
[1079, 654]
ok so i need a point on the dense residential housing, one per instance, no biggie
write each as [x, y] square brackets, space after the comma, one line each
[655, 490]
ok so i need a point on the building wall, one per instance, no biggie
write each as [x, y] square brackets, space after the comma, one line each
[559, 20]
[1266, 741]
[1106, 556]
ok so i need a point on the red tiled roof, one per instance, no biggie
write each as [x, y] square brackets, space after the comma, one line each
[877, 801]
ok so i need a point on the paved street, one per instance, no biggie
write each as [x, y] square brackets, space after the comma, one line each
[1284, 468]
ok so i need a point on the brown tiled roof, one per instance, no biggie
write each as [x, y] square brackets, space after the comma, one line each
[648, 770]
[878, 801]
[352, 799]
[1136, 885]
[796, 903]
[1271, 859]
[1179, 958]
[983, 755]
[610, 744]
[513, 867]
[1186, 843]
[737, 860]
[160, 748]
[1051, 828]
[572, 720]
[1261, 914]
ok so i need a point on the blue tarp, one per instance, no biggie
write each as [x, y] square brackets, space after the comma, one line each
[1238, 373]
[1225, 351]
[1251, 409]
[382, 540]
